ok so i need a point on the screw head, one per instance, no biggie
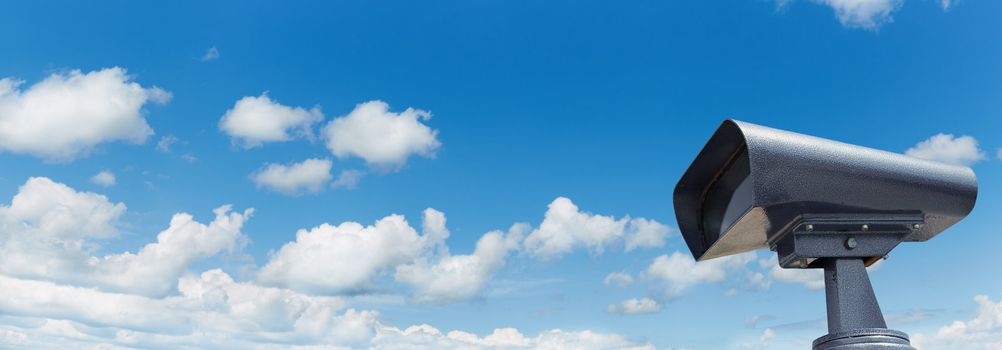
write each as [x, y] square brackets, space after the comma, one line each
[916, 226]
[809, 227]
[851, 243]
[866, 227]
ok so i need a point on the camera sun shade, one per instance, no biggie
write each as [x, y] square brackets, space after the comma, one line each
[753, 187]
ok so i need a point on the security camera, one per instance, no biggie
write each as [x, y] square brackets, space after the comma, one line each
[818, 204]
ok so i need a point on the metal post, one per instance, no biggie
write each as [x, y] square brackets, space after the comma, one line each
[854, 318]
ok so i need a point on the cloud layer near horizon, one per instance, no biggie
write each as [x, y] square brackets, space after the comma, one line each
[152, 298]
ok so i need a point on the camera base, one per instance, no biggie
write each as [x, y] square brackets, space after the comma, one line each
[864, 339]
[854, 318]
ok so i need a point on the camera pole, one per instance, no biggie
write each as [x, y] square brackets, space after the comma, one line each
[854, 318]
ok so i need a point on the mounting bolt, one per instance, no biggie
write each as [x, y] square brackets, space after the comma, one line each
[809, 227]
[916, 226]
[851, 243]
[866, 227]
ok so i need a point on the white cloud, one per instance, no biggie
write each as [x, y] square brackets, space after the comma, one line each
[947, 4]
[255, 120]
[380, 137]
[564, 227]
[680, 271]
[348, 179]
[56, 295]
[427, 337]
[49, 229]
[104, 178]
[165, 142]
[635, 306]
[67, 115]
[211, 54]
[618, 279]
[868, 14]
[980, 333]
[214, 311]
[763, 341]
[945, 148]
[460, 277]
[308, 176]
[346, 257]
[643, 233]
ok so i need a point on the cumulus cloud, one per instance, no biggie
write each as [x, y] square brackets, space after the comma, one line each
[213, 311]
[49, 229]
[680, 271]
[461, 277]
[635, 306]
[308, 176]
[945, 148]
[104, 178]
[346, 258]
[382, 138]
[427, 337]
[618, 279]
[980, 333]
[67, 115]
[868, 14]
[255, 120]
[565, 227]
[148, 299]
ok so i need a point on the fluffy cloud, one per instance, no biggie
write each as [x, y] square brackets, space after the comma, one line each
[680, 271]
[255, 120]
[214, 311]
[308, 176]
[427, 337]
[380, 137]
[49, 229]
[104, 178]
[66, 115]
[347, 257]
[564, 227]
[148, 299]
[460, 277]
[868, 14]
[981, 333]
[945, 148]
[635, 306]
[618, 279]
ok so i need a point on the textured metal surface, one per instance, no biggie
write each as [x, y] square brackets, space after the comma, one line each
[864, 339]
[849, 295]
[793, 174]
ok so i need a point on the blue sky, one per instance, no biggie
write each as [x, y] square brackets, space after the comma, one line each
[575, 119]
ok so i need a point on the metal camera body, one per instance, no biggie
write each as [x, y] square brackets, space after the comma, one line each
[818, 204]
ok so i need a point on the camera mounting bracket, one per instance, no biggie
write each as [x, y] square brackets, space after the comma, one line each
[844, 246]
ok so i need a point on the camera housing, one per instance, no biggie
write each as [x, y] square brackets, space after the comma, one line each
[753, 187]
